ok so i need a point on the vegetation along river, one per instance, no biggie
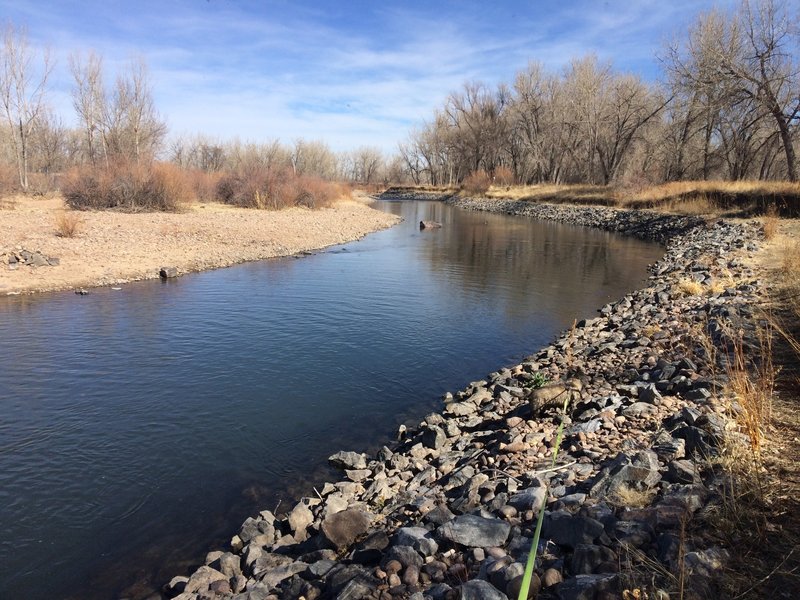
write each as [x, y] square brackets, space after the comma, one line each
[140, 427]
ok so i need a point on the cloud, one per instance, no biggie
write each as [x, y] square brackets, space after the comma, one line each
[348, 73]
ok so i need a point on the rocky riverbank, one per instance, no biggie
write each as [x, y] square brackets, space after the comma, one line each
[449, 511]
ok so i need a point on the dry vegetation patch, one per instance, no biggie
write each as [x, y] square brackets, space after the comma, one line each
[685, 197]
[760, 514]
[67, 224]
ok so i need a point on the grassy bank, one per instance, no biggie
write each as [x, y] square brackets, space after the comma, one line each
[729, 198]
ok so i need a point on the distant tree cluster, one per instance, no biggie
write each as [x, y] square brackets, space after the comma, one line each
[727, 108]
[120, 131]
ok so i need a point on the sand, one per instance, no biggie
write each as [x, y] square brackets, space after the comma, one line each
[111, 248]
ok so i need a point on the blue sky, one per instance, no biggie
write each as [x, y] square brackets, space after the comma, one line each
[349, 73]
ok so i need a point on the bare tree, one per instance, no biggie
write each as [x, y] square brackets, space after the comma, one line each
[89, 101]
[133, 126]
[49, 141]
[740, 64]
[22, 91]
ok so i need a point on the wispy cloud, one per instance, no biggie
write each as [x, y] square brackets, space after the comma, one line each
[351, 73]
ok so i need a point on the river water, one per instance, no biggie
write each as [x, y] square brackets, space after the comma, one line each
[140, 427]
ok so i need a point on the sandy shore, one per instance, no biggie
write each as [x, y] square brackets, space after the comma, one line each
[111, 248]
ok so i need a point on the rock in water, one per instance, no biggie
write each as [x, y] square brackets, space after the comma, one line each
[430, 225]
[168, 272]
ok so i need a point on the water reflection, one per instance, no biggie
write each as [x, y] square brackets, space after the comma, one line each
[141, 426]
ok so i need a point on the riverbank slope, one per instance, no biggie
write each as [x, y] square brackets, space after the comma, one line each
[111, 248]
[644, 469]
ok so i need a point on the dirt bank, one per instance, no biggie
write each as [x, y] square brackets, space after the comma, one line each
[112, 248]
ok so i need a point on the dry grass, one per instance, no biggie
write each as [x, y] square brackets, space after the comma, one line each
[770, 223]
[689, 287]
[7, 203]
[752, 382]
[632, 498]
[567, 194]
[684, 197]
[67, 224]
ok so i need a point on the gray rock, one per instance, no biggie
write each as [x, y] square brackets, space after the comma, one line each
[348, 460]
[176, 585]
[168, 272]
[682, 471]
[460, 409]
[433, 437]
[357, 475]
[640, 409]
[405, 555]
[587, 557]
[320, 568]
[38, 260]
[343, 528]
[586, 587]
[531, 498]
[300, 518]
[475, 531]
[569, 531]
[633, 533]
[202, 578]
[637, 472]
[478, 589]
[353, 577]
[419, 538]
[650, 395]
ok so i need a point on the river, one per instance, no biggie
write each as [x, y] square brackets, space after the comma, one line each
[141, 426]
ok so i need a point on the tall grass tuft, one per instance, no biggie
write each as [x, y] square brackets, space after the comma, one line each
[770, 222]
[753, 383]
[67, 224]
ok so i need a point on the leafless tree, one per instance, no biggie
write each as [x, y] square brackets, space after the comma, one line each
[742, 64]
[22, 93]
[89, 101]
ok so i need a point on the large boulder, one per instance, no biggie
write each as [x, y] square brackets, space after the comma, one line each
[475, 531]
[343, 528]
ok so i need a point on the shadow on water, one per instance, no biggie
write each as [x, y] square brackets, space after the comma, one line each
[140, 427]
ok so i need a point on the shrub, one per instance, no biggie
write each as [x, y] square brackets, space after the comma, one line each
[503, 176]
[67, 224]
[203, 184]
[9, 180]
[275, 189]
[476, 183]
[126, 186]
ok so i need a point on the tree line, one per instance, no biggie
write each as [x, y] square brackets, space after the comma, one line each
[726, 107]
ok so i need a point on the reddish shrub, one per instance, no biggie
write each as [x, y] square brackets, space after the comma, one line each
[275, 189]
[476, 183]
[126, 186]
[503, 176]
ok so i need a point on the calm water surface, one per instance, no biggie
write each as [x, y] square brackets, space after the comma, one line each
[139, 427]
